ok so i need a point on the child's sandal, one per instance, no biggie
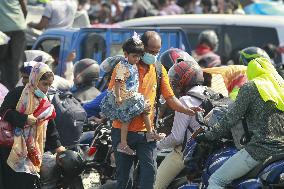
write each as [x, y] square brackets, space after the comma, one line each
[125, 149]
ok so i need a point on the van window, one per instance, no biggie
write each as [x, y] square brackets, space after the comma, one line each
[231, 38]
[47, 45]
[239, 37]
[94, 47]
[193, 32]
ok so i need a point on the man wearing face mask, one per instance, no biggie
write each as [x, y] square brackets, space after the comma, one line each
[145, 151]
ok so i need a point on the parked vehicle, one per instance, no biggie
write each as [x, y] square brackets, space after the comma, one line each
[100, 43]
[235, 32]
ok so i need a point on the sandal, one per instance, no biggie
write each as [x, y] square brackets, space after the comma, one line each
[125, 149]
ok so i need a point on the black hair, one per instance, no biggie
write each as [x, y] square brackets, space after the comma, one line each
[133, 46]
[54, 52]
[22, 69]
[26, 70]
[46, 76]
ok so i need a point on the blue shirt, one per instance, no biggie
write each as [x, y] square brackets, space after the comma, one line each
[93, 108]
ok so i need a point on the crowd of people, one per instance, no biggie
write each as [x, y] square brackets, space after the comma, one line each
[129, 92]
[130, 79]
[109, 12]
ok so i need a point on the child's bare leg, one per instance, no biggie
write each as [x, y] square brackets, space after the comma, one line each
[122, 146]
[123, 133]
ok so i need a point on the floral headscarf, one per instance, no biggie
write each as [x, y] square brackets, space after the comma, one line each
[234, 77]
[40, 108]
[269, 83]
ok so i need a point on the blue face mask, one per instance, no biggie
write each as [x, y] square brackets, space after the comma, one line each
[149, 58]
[39, 93]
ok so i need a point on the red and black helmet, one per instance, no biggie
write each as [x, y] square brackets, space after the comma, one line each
[173, 56]
[185, 75]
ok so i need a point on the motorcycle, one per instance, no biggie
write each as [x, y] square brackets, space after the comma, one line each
[88, 165]
[206, 158]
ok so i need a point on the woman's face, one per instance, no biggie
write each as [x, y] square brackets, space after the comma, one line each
[44, 85]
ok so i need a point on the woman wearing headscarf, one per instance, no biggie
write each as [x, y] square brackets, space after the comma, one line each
[261, 102]
[29, 111]
[33, 56]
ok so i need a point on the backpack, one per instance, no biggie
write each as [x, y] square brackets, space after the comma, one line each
[70, 118]
[210, 100]
[215, 106]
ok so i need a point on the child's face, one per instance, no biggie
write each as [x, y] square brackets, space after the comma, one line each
[133, 58]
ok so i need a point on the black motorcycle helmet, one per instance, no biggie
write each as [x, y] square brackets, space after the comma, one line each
[86, 71]
[70, 162]
[250, 53]
[209, 37]
[173, 56]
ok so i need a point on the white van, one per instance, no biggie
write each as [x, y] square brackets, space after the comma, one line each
[235, 32]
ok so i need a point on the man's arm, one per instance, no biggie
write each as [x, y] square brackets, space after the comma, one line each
[171, 100]
[175, 138]
[23, 4]
[176, 105]
[41, 25]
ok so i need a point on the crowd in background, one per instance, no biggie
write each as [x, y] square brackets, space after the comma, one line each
[112, 11]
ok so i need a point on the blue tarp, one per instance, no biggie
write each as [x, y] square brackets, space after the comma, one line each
[265, 8]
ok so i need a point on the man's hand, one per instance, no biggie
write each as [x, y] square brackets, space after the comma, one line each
[176, 105]
[96, 120]
[191, 111]
[71, 56]
[60, 149]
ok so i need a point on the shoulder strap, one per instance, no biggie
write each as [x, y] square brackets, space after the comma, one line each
[207, 93]
[158, 67]
[196, 95]
[4, 114]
